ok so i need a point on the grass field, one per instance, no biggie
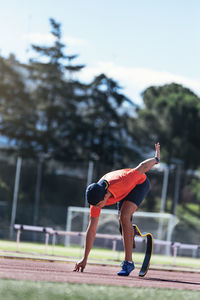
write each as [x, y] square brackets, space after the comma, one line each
[99, 255]
[27, 290]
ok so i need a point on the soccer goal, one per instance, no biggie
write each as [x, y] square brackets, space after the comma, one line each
[161, 225]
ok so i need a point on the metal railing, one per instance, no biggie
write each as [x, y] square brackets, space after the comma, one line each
[176, 248]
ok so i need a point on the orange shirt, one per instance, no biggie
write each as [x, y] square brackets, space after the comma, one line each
[121, 182]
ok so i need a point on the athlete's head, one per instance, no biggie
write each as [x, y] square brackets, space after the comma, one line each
[95, 192]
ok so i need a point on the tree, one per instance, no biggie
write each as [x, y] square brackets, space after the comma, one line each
[195, 189]
[171, 115]
[56, 98]
[16, 107]
[106, 130]
[63, 118]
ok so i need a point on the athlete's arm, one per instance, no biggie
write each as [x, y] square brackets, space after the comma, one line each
[146, 165]
[89, 240]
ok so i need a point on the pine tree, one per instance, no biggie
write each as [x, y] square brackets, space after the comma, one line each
[58, 97]
[107, 135]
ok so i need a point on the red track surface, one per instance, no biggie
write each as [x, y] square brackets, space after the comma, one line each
[93, 274]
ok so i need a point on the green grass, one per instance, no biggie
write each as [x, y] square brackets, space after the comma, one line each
[96, 255]
[193, 207]
[27, 290]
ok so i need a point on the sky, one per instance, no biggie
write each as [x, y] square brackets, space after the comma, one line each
[137, 43]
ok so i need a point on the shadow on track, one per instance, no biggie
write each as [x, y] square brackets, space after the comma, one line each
[171, 280]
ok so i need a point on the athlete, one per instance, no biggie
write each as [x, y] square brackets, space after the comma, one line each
[127, 188]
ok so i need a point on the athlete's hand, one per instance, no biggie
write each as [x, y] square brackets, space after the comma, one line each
[157, 148]
[80, 265]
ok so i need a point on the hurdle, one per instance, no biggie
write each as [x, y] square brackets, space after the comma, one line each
[175, 247]
[113, 237]
[46, 230]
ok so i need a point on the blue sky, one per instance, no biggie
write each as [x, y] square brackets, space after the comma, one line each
[138, 43]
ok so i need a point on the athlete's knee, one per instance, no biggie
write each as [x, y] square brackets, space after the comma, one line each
[125, 217]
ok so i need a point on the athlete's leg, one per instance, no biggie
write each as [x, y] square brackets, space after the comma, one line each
[127, 210]
[127, 207]
[136, 196]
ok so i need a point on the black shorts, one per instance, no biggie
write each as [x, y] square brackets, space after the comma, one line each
[137, 194]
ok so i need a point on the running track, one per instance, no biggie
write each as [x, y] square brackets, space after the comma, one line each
[37, 270]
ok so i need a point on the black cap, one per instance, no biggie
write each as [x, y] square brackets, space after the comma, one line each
[95, 192]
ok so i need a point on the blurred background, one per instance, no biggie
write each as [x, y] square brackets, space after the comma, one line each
[87, 87]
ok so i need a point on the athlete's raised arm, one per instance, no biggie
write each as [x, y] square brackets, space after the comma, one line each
[146, 165]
